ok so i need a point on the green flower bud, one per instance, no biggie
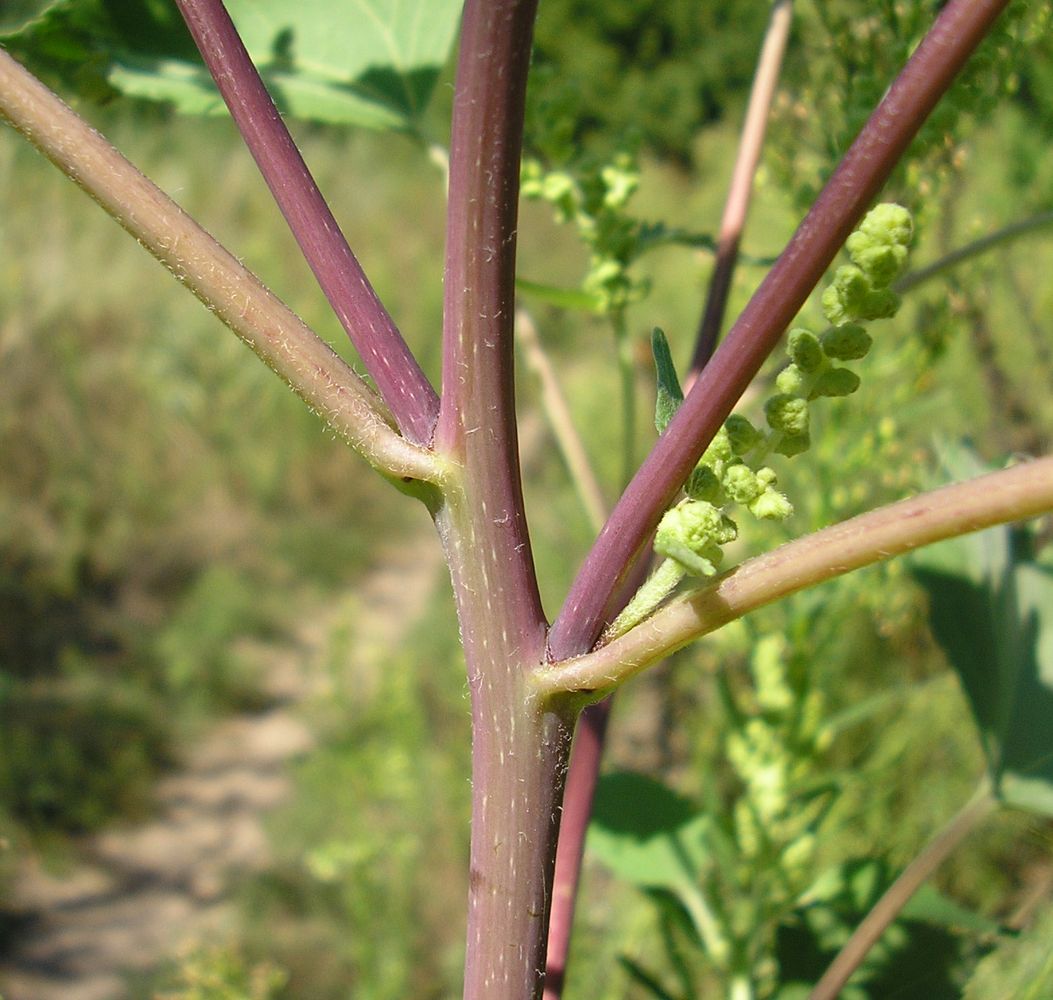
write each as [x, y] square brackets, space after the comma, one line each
[881, 303]
[703, 484]
[740, 484]
[771, 505]
[788, 414]
[846, 294]
[790, 381]
[769, 674]
[836, 382]
[719, 452]
[793, 444]
[621, 182]
[881, 264]
[766, 476]
[742, 435]
[692, 533]
[804, 350]
[556, 186]
[847, 342]
[530, 181]
[888, 223]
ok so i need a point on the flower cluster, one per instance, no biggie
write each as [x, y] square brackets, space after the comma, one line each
[691, 534]
[594, 199]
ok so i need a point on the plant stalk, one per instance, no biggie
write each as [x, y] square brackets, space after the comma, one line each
[737, 205]
[519, 757]
[958, 29]
[519, 745]
[385, 354]
[1013, 494]
[901, 891]
[984, 244]
[274, 332]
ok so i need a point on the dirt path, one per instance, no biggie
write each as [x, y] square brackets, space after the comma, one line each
[141, 893]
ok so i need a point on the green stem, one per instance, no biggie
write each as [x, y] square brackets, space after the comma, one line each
[658, 586]
[706, 923]
[627, 382]
[1022, 491]
[981, 246]
[276, 334]
[900, 892]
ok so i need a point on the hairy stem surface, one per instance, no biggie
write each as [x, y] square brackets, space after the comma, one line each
[277, 335]
[519, 747]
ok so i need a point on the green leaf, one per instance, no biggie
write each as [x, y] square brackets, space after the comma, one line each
[372, 63]
[669, 395]
[646, 833]
[918, 957]
[930, 906]
[190, 89]
[991, 607]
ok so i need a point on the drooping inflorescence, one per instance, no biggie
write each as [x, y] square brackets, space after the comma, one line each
[731, 472]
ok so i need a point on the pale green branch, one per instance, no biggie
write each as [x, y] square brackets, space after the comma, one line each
[557, 411]
[278, 336]
[900, 893]
[1013, 494]
[980, 246]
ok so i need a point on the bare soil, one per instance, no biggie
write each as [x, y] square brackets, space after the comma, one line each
[139, 894]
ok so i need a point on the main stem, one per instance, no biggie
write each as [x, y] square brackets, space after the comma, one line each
[519, 757]
[519, 748]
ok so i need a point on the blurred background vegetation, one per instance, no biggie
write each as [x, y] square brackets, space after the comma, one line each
[163, 497]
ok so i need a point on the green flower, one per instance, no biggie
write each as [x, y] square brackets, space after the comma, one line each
[742, 435]
[836, 382]
[788, 414]
[691, 533]
[804, 350]
[847, 342]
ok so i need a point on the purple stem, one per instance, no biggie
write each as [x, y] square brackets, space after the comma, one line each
[580, 790]
[387, 358]
[519, 746]
[477, 421]
[740, 190]
[959, 28]
[587, 751]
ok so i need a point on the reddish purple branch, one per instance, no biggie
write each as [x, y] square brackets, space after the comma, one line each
[740, 190]
[957, 31]
[580, 790]
[387, 358]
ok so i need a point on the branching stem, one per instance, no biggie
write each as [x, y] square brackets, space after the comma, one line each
[984, 244]
[385, 354]
[958, 29]
[280, 338]
[1013, 494]
[901, 891]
